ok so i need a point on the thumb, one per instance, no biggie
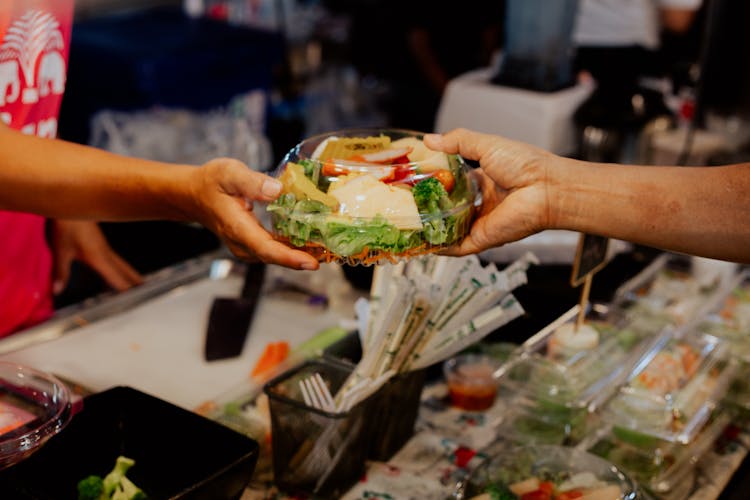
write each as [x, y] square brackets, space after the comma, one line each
[469, 144]
[61, 270]
[251, 185]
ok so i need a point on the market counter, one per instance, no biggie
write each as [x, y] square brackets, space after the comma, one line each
[152, 338]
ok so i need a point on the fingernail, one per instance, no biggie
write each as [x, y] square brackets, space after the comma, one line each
[57, 287]
[433, 137]
[271, 187]
[308, 266]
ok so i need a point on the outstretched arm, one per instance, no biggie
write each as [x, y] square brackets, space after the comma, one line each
[64, 180]
[695, 210]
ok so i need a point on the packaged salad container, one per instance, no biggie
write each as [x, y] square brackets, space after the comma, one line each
[730, 321]
[364, 196]
[542, 420]
[553, 472]
[578, 367]
[675, 387]
[668, 291]
[663, 468]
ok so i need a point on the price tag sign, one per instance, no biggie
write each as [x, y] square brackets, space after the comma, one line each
[591, 256]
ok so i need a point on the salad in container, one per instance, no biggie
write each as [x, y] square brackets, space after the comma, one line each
[546, 472]
[663, 468]
[675, 388]
[731, 322]
[543, 421]
[667, 292]
[566, 372]
[365, 196]
[578, 366]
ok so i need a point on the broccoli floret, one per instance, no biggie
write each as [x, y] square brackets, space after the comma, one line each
[432, 199]
[114, 486]
[126, 490]
[114, 478]
[430, 196]
[500, 492]
[90, 488]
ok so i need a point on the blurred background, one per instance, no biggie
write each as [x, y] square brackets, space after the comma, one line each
[641, 81]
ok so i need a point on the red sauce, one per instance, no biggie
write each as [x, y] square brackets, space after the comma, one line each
[472, 397]
[472, 387]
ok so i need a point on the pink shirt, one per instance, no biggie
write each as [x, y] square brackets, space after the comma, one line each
[34, 43]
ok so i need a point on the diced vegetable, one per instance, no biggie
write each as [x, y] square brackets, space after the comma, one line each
[526, 486]
[295, 182]
[273, 355]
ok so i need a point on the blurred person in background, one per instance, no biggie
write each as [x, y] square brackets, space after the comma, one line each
[418, 46]
[45, 183]
[701, 211]
[620, 41]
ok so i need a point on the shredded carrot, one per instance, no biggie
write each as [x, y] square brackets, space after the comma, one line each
[365, 256]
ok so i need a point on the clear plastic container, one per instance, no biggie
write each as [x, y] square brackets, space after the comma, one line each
[669, 292]
[664, 468]
[471, 382]
[34, 406]
[542, 421]
[730, 321]
[573, 373]
[364, 196]
[560, 468]
[675, 387]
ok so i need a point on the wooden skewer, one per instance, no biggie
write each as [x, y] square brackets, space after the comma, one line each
[584, 300]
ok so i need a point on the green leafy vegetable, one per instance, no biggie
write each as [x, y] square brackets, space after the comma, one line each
[90, 488]
[432, 199]
[500, 492]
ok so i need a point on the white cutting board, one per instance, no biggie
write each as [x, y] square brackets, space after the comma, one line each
[157, 347]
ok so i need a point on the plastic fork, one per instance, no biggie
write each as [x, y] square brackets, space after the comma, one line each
[316, 393]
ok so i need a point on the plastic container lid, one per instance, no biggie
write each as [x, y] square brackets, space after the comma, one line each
[578, 376]
[661, 466]
[542, 421]
[364, 196]
[730, 319]
[674, 389]
[34, 406]
[668, 290]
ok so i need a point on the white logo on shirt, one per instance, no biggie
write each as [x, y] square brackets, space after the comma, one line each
[33, 49]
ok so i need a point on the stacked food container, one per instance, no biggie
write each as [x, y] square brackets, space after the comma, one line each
[667, 413]
[553, 387]
[730, 321]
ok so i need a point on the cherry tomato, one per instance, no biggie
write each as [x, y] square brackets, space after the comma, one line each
[547, 486]
[446, 179]
[537, 495]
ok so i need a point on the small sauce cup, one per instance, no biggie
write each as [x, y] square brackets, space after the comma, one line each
[470, 380]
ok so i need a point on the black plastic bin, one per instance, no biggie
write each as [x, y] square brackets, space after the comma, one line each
[178, 454]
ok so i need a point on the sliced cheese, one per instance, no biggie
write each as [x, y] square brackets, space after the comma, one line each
[428, 159]
[366, 197]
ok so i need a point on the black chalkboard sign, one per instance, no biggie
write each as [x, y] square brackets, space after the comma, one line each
[591, 256]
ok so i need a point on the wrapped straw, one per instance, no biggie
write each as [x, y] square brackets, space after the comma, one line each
[426, 310]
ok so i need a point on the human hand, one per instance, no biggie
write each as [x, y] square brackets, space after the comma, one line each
[513, 179]
[223, 191]
[85, 242]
